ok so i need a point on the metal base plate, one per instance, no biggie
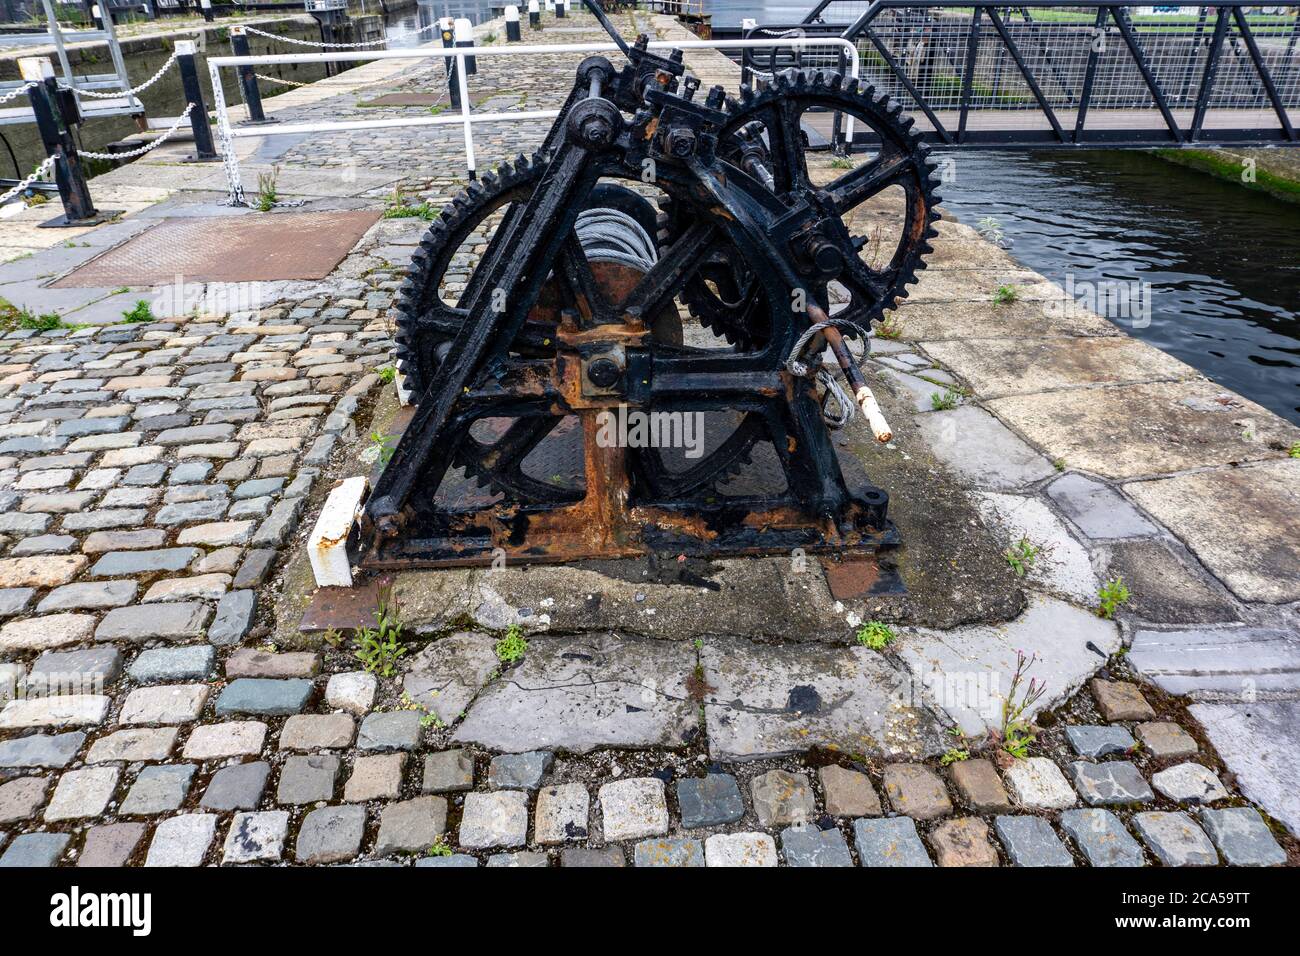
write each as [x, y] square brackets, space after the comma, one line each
[255, 248]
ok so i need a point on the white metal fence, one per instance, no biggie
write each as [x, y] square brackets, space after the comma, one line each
[227, 132]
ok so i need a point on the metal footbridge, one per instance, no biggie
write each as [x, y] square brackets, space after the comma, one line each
[1079, 73]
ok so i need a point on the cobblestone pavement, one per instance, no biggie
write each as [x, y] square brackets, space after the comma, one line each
[161, 708]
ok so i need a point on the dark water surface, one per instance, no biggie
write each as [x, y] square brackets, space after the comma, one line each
[1223, 262]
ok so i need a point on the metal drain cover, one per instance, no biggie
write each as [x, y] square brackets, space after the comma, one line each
[252, 248]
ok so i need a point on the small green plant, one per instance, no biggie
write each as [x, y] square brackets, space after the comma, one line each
[380, 647]
[1059, 464]
[876, 635]
[513, 646]
[1005, 295]
[398, 208]
[267, 191]
[140, 312]
[1113, 595]
[437, 108]
[954, 755]
[489, 39]
[333, 637]
[387, 374]
[1017, 732]
[1294, 451]
[948, 400]
[387, 444]
[13, 318]
[438, 848]
[841, 162]
[990, 228]
[889, 328]
[1022, 555]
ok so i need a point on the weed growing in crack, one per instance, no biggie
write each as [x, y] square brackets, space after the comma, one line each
[1005, 295]
[1113, 595]
[1022, 556]
[1017, 732]
[875, 635]
[945, 402]
[953, 755]
[380, 647]
[513, 646]
[889, 328]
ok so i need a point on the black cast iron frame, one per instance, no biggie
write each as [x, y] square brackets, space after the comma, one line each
[400, 525]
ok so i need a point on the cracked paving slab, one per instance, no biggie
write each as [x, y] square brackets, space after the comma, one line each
[967, 671]
[772, 700]
[577, 694]
[447, 673]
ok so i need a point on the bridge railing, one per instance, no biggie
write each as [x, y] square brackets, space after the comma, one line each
[1083, 72]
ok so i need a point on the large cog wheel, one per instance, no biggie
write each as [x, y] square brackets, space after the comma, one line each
[724, 301]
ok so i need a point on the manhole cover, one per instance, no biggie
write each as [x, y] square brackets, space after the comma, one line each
[303, 245]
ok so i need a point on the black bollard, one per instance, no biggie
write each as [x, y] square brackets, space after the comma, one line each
[534, 14]
[464, 31]
[512, 24]
[204, 151]
[247, 77]
[449, 40]
[56, 117]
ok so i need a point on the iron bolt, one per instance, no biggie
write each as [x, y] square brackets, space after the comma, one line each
[604, 373]
[681, 142]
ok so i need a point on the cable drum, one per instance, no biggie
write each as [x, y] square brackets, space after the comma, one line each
[608, 235]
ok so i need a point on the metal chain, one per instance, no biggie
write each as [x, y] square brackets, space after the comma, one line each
[340, 46]
[15, 93]
[154, 144]
[132, 92]
[40, 171]
[276, 79]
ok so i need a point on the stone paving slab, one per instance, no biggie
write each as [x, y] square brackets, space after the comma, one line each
[1132, 431]
[580, 693]
[968, 670]
[1259, 741]
[1250, 539]
[763, 701]
[1220, 662]
[1008, 366]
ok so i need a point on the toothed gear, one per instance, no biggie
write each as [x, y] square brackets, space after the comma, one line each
[424, 320]
[902, 157]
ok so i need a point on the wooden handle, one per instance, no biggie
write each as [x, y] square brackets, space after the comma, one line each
[871, 409]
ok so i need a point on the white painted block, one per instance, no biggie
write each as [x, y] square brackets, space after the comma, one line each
[404, 396]
[327, 547]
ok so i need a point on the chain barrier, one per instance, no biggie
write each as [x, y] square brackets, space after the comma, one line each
[339, 46]
[171, 60]
[40, 171]
[276, 79]
[152, 145]
[15, 93]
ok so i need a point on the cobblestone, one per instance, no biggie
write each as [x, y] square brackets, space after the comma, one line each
[1030, 841]
[1102, 838]
[892, 841]
[781, 798]
[740, 849]
[1175, 839]
[809, 846]
[671, 852]
[1112, 782]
